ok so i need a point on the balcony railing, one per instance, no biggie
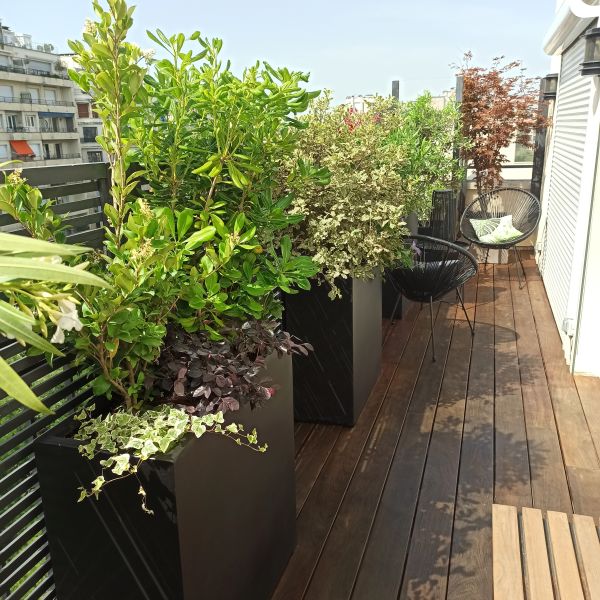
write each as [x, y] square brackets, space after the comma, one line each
[47, 157]
[88, 140]
[58, 129]
[45, 102]
[20, 129]
[38, 72]
[62, 156]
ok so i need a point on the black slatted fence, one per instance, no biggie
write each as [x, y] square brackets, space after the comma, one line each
[25, 569]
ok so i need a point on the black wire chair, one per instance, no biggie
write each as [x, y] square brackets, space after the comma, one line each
[521, 204]
[438, 267]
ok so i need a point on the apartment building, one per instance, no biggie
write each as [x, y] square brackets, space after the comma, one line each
[89, 123]
[38, 115]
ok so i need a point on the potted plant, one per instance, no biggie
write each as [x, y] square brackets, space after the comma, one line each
[36, 288]
[429, 138]
[348, 186]
[196, 254]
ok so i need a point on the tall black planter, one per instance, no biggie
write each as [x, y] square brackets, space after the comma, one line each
[224, 523]
[333, 383]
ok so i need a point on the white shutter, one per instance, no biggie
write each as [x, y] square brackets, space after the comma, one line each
[570, 132]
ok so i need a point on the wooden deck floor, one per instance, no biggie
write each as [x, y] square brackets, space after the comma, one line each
[400, 506]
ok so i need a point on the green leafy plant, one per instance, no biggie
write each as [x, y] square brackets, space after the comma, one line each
[36, 290]
[346, 180]
[197, 239]
[430, 138]
[211, 146]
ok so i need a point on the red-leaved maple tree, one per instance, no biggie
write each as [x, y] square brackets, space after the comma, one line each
[499, 105]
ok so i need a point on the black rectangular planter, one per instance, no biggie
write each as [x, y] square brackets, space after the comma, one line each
[333, 383]
[224, 523]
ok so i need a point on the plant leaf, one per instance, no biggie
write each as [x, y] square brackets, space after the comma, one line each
[15, 387]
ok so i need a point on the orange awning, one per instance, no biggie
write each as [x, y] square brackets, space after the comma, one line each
[21, 148]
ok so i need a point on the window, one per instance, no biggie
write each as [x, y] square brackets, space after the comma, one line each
[11, 122]
[50, 95]
[30, 121]
[3, 151]
[26, 97]
[523, 153]
[6, 91]
[58, 150]
[94, 156]
[46, 151]
[89, 134]
[38, 67]
[37, 148]
[83, 110]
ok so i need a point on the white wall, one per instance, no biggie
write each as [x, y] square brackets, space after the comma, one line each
[587, 346]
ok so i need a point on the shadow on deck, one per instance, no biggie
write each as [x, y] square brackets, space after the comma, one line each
[400, 506]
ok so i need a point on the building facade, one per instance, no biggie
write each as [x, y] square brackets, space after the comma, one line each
[568, 244]
[89, 123]
[38, 115]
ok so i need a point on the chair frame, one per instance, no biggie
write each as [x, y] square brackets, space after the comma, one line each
[505, 245]
[461, 250]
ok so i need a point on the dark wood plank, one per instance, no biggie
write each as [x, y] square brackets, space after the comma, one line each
[426, 572]
[301, 434]
[398, 334]
[319, 511]
[312, 459]
[576, 441]
[341, 556]
[548, 477]
[470, 575]
[512, 485]
[388, 541]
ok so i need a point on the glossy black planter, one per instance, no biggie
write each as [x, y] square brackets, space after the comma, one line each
[333, 383]
[224, 523]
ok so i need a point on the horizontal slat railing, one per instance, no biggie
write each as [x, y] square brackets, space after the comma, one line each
[25, 568]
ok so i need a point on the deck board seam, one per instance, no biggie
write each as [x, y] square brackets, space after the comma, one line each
[398, 438]
[458, 474]
[367, 437]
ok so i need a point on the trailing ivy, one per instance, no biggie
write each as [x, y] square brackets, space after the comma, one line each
[131, 439]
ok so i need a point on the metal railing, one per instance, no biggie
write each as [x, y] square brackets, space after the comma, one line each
[24, 557]
[62, 156]
[27, 159]
[37, 72]
[20, 129]
[55, 129]
[88, 140]
[25, 100]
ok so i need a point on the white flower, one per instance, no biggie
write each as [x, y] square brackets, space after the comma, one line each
[148, 54]
[69, 320]
[89, 26]
[53, 260]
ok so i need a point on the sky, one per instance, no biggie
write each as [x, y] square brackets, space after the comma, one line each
[350, 47]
